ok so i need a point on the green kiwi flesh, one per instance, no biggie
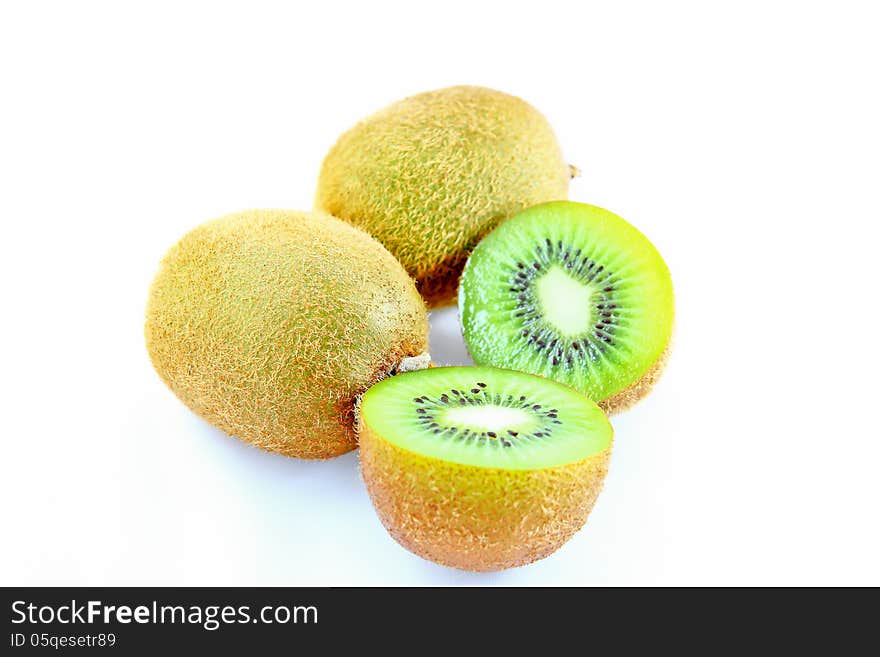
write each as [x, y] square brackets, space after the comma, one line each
[486, 417]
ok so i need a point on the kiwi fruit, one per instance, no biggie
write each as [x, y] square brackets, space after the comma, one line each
[430, 175]
[481, 468]
[269, 324]
[574, 293]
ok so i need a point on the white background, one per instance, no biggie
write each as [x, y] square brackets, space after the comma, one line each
[741, 137]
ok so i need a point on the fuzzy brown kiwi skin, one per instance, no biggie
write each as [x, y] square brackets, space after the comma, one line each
[636, 391]
[440, 288]
[473, 518]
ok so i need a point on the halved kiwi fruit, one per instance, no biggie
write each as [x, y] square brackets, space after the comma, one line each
[481, 468]
[574, 293]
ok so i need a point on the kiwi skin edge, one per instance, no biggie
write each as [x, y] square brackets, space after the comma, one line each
[473, 518]
[634, 392]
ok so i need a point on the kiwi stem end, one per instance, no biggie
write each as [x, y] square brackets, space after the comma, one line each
[413, 363]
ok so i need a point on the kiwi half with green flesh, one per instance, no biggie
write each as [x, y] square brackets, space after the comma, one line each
[574, 293]
[270, 323]
[430, 175]
[481, 468]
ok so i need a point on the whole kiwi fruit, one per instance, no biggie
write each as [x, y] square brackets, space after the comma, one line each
[432, 174]
[269, 324]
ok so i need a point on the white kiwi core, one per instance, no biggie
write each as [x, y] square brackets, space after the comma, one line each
[567, 304]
